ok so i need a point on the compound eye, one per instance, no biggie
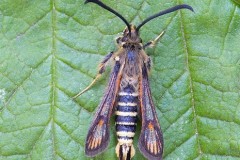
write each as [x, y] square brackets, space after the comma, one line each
[125, 32]
[124, 39]
[118, 40]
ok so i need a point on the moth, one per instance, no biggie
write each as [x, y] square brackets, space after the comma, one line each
[128, 95]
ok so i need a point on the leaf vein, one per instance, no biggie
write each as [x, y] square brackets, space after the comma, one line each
[182, 143]
[74, 68]
[68, 133]
[182, 28]
[178, 118]
[228, 28]
[218, 119]
[53, 79]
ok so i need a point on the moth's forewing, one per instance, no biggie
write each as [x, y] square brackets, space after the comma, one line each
[98, 134]
[151, 140]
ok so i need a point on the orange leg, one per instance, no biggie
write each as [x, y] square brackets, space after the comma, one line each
[153, 43]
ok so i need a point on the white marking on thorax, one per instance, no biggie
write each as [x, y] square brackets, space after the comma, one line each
[117, 58]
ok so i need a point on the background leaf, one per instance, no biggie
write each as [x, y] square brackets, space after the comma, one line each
[49, 51]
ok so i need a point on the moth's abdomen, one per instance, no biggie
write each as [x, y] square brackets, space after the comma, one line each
[126, 121]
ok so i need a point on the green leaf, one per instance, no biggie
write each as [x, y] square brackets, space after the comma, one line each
[237, 1]
[50, 50]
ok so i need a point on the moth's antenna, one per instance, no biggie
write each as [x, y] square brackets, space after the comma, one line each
[182, 6]
[98, 2]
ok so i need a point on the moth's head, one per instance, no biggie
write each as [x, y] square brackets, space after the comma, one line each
[129, 36]
[132, 35]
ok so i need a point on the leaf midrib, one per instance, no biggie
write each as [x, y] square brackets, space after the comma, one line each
[53, 76]
[190, 83]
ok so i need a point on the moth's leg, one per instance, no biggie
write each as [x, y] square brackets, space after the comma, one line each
[101, 70]
[152, 43]
[149, 63]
